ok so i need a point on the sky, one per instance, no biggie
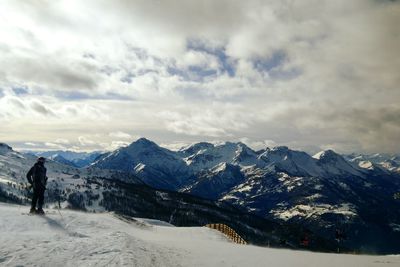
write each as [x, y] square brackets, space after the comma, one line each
[96, 75]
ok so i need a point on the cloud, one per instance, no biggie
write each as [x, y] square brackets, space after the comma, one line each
[120, 134]
[38, 107]
[113, 145]
[30, 144]
[175, 145]
[54, 146]
[308, 74]
[84, 141]
[62, 141]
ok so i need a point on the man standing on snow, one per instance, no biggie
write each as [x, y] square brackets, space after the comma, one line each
[38, 179]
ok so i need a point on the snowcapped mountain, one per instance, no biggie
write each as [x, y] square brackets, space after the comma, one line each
[324, 192]
[290, 161]
[156, 166]
[388, 162]
[206, 155]
[334, 164]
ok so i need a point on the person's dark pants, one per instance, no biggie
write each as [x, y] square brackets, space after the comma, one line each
[38, 196]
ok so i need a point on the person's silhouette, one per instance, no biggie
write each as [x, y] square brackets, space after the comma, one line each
[38, 179]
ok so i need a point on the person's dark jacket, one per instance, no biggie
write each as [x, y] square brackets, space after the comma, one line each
[37, 176]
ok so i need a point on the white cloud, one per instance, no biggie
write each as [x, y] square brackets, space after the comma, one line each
[174, 146]
[30, 144]
[303, 73]
[62, 141]
[54, 146]
[113, 145]
[120, 134]
[84, 141]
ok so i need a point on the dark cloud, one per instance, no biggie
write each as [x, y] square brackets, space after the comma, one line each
[17, 103]
[40, 108]
[49, 73]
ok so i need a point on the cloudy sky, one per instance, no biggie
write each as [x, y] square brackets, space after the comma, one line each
[309, 74]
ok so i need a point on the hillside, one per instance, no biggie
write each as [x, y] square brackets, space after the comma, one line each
[104, 239]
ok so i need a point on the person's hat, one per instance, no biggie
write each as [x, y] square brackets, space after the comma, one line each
[42, 159]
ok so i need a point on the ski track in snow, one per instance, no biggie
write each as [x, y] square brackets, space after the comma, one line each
[103, 239]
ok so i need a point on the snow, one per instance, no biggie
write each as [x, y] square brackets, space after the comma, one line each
[290, 182]
[319, 209]
[103, 239]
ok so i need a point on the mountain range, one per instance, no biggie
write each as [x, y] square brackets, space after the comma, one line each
[72, 158]
[324, 193]
[99, 190]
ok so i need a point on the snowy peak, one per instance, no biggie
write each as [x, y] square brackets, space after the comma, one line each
[209, 155]
[328, 155]
[291, 161]
[245, 155]
[195, 148]
[144, 142]
[335, 164]
[331, 157]
[141, 150]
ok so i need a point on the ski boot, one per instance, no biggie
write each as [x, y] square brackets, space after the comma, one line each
[40, 211]
[33, 211]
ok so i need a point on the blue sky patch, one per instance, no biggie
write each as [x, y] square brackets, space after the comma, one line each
[277, 59]
[20, 90]
[77, 96]
[227, 63]
[193, 73]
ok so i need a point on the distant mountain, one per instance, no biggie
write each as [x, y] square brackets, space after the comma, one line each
[61, 159]
[334, 164]
[325, 192]
[74, 159]
[389, 162]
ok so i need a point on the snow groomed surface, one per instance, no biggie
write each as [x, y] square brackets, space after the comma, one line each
[103, 239]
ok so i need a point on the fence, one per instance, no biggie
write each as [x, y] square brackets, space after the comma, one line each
[229, 232]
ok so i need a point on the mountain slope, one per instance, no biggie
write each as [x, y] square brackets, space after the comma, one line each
[84, 239]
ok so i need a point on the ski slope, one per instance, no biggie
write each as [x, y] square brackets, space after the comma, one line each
[72, 238]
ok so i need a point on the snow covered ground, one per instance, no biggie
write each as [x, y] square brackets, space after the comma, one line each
[103, 239]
